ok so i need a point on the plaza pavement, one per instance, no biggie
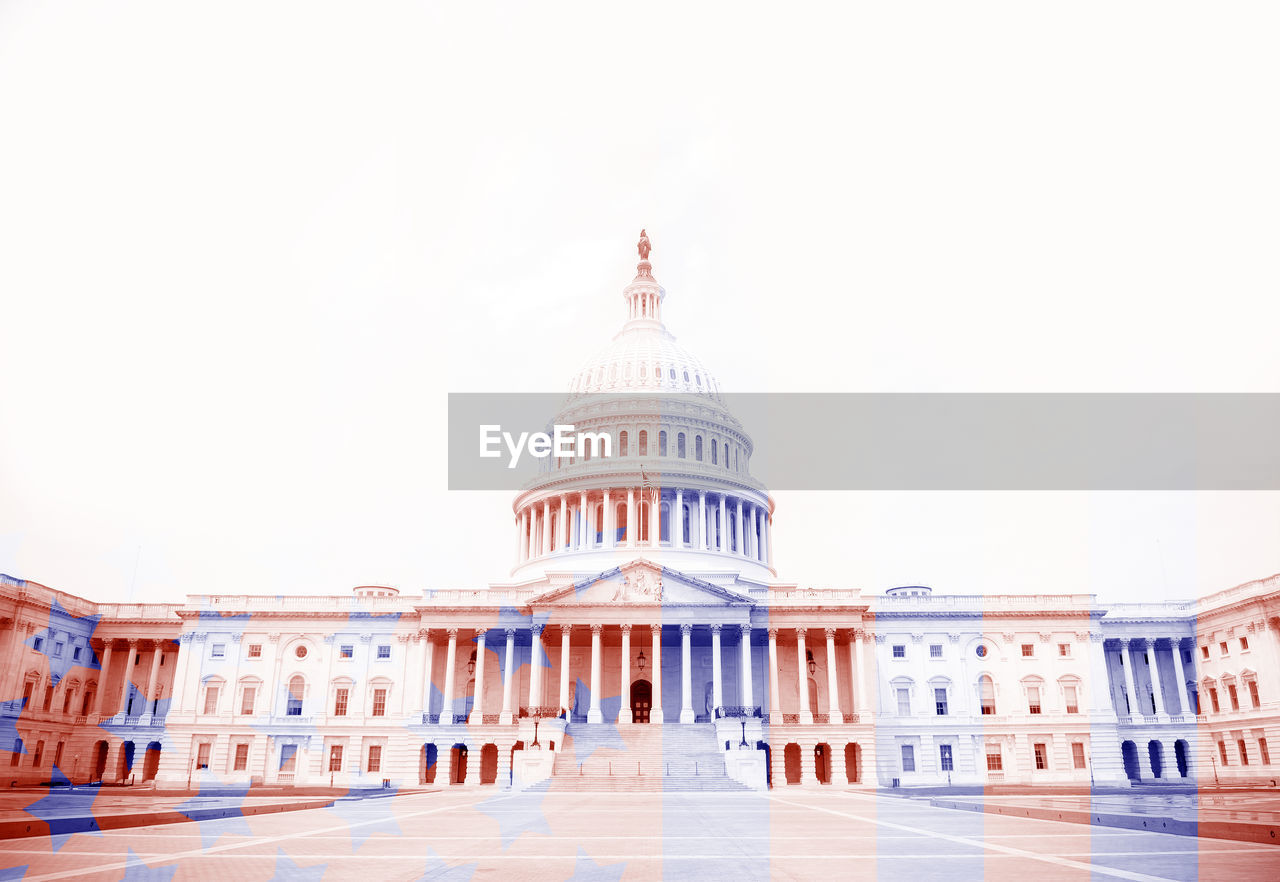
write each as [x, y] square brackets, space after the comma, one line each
[455, 834]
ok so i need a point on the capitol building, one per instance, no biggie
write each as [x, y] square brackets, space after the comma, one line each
[643, 637]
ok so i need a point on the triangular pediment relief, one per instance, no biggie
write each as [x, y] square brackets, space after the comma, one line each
[640, 583]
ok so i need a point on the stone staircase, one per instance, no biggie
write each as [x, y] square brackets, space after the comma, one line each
[656, 758]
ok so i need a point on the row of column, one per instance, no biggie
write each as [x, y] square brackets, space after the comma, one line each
[116, 704]
[721, 523]
[1159, 700]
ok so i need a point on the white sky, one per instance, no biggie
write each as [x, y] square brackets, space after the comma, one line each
[246, 249]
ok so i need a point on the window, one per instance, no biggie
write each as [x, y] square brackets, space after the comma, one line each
[1222, 648]
[242, 758]
[1204, 652]
[288, 758]
[17, 751]
[1064, 650]
[202, 754]
[940, 700]
[944, 757]
[1077, 755]
[1263, 752]
[384, 649]
[697, 448]
[622, 444]
[987, 695]
[1072, 699]
[994, 761]
[1222, 753]
[714, 448]
[48, 698]
[246, 700]
[38, 757]
[38, 644]
[1033, 699]
[293, 707]
[935, 650]
[1234, 696]
[899, 650]
[300, 651]
[904, 702]
[255, 650]
[1028, 650]
[57, 649]
[340, 703]
[26, 692]
[379, 702]
[1042, 756]
[335, 758]
[346, 650]
[644, 436]
[75, 653]
[980, 650]
[375, 758]
[908, 758]
[211, 699]
[219, 650]
[66, 702]
[1213, 699]
[680, 445]
[1253, 693]
[57, 753]
[1244, 644]
[1240, 745]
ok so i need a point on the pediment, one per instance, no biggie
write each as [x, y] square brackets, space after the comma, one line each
[640, 583]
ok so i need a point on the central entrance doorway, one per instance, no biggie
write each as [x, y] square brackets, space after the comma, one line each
[641, 700]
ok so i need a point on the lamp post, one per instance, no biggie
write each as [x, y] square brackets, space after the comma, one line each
[744, 744]
[535, 734]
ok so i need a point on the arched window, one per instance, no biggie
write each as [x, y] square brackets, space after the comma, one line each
[644, 443]
[620, 521]
[642, 528]
[680, 445]
[1069, 687]
[687, 515]
[1033, 690]
[987, 695]
[599, 523]
[662, 443]
[714, 459]
[664, 522]
[293, 701]
[697, 448]
[726, 456]
[622, 444]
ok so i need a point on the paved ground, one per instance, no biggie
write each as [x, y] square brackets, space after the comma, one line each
[788, 834]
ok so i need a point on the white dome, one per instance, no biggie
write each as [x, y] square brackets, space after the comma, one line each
[644, 359]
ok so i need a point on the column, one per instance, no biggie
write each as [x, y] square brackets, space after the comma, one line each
[702, 519]
[477, 706]
[624, 711]
[582, 520]
[767, 535]
[677, 521]
[655, 514]
[524, 535]
[607, 526]
[686, 675]
[775, 698]
[1180, 667]
[102, 678]
[153, 680]
[510, 668]
[593, 712]
[744, 676]
[428, 653]
[754, 532]
[519, 538]
[834, 714]
[446, 709]
[124, 680]
[717, 689]
[737, 527]
[535, 667]
[546, 526]
[631, 517]
[802, 674]
[564, 533]
[565, 704]
[1157, 687]
[722, 539]
[655, 713]
[1127, 659]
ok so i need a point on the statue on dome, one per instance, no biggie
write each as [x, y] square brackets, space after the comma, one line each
[643, 246]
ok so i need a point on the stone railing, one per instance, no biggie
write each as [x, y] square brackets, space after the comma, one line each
[543, 712]
[736, 712]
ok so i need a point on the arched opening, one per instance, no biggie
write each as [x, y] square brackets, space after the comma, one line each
[664, 522]
[620, 519]
[126, 760]
[1155, 750]
[430, 755]
[697, 448]
[680, 445]
[687, 516]
[489, 764]
[642, 528]
[662, 443]
[768, 761]
[813, 696]
[297, 686]
[987, 694]
[622, 444]
[511, 766]
[100, 752]
[151, 761]
[791, 762]
[822, 763]
[1129, 752]
[1182, 755]
[644, 436]
[598, 526]
[852, 761]
[458, 758]
[641, 701]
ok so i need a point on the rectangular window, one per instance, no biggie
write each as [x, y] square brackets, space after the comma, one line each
[246, 701]
[1253, 693]
[75, 653]
[293, 707]
[57, 754]
[346, 650]
[940, 701]
[1244, 644]
[340, 703]
[1222, 753]
[242, 758]
[1186, 656]
[944, 757]
[1042, 756]
[17, 752]
[211, 700]
[1077, 755]
[1222, 648]
[935, 650]
[904, 702]
[1234, 696]
[57, 650]
[375, 758]
[1033, 699]
[202, 754]
[1028, 650]
[48, 697]
[384, 650]
[38, 756]
[1263, 752]
[288, 758]
[255, 650]
[219, 650]
[1213, 700]
[899, 650]
[1244, 752]
[1073, 701]
[1064, 650]
[994, 761]
[379, 702]
[908, 758]
[1204, 652]
[66, 702]
[335, 758]
[38, 644]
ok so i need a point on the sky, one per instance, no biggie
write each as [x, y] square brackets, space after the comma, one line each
[247, 249]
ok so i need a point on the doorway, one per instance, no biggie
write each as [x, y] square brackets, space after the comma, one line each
[851, 762]
[429, 755]
[641, 701]
[822, 763]
[1180, 754]
[151, 761]
[791, 762]
[459, 769]
[100, 760]
[489, 764]
[1129, 751]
